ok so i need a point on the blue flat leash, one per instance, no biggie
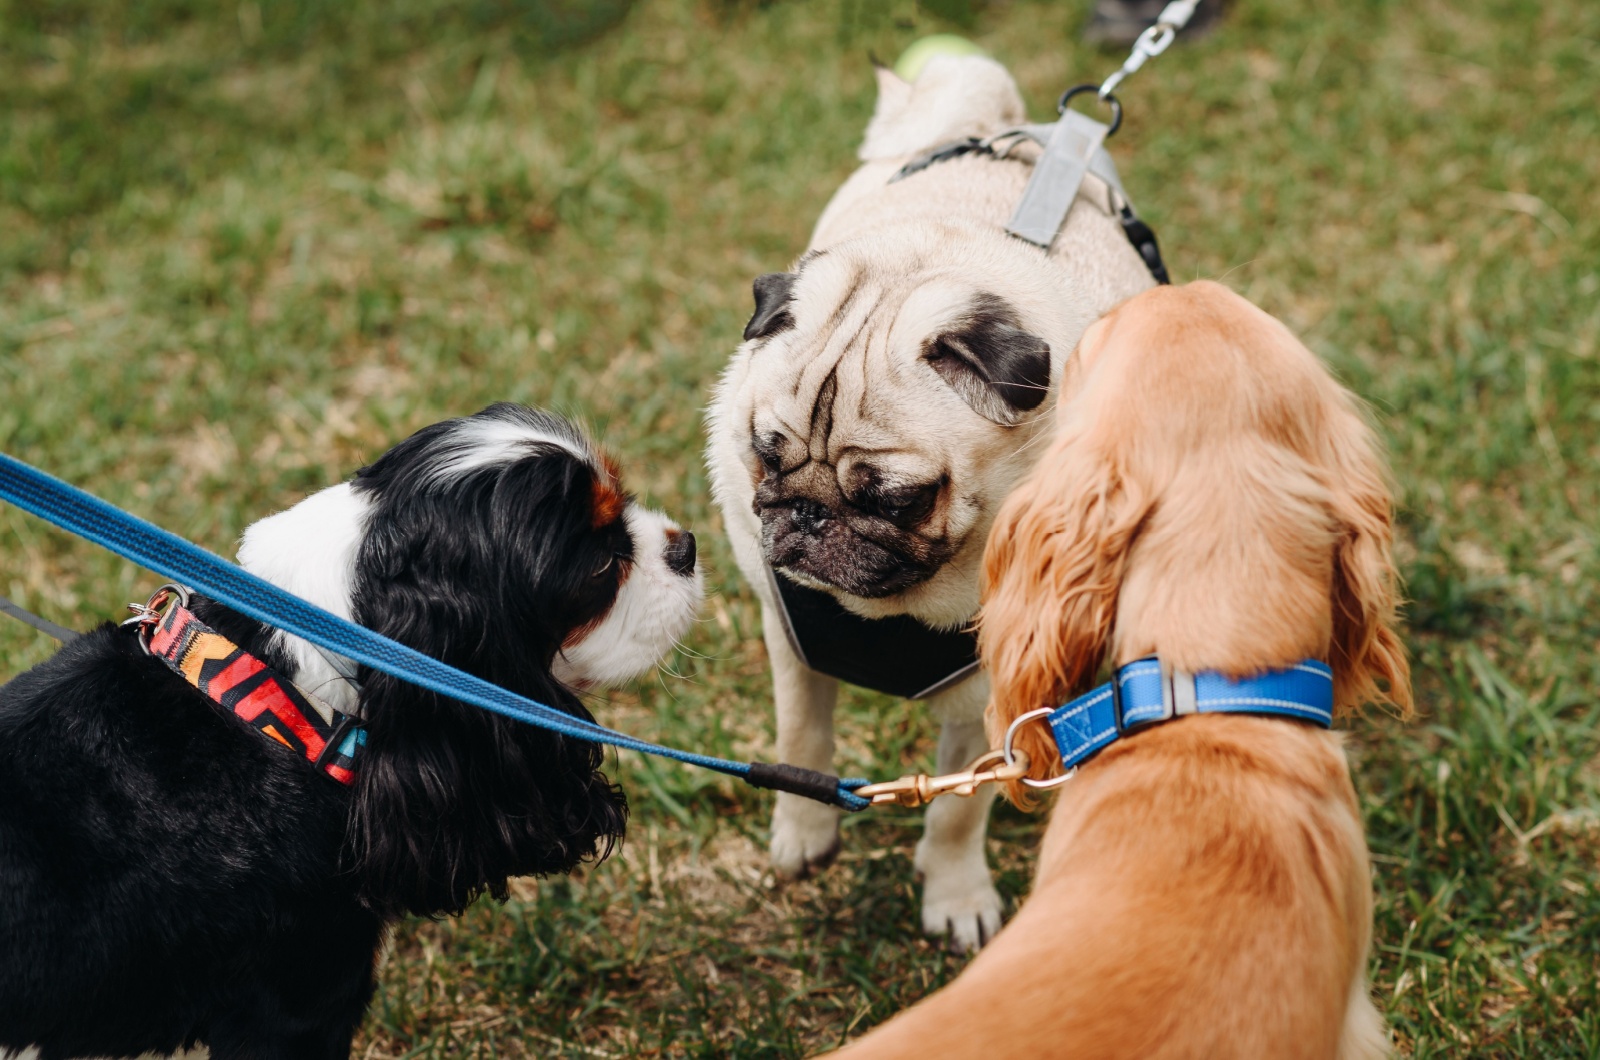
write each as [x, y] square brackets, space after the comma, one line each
[1147, 692]
[204, 572]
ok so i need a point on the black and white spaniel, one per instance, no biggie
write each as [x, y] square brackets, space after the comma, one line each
[174, 873]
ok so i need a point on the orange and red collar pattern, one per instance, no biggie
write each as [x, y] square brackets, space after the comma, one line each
[248, 688]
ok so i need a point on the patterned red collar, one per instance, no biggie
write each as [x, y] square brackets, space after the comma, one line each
[247, 687]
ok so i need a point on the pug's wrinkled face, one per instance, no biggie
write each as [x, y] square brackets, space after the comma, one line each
[859, 525]
[886, 414]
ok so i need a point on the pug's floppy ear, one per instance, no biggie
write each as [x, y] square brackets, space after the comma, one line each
[1000, 370]
[773, 293]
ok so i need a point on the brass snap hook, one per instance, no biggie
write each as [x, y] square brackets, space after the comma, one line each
[919, 789]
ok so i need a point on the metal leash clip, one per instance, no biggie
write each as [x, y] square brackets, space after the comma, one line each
[1152, 42]
[1013, 755]
[919, 789]
[148, 615]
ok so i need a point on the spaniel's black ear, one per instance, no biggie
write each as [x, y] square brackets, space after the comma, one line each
[997, 368]
[772, 292]
[450, 800]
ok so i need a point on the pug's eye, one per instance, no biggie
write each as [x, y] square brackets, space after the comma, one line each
[769, 449]
[908, 507]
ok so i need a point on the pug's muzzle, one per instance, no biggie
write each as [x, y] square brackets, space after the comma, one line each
[835, 546]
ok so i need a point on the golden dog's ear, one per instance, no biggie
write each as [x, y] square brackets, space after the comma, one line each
[1368, 658]
[1052, 572]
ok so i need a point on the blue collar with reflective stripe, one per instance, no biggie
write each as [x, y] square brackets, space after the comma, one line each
[1147, 692]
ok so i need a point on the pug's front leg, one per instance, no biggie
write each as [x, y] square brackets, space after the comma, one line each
[959, 901]
[805, 833]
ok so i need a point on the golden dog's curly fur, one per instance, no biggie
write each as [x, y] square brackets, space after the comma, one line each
[1203, 890]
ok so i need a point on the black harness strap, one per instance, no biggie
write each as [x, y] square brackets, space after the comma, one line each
[970, 146]
[898, 655]
[1143, 238]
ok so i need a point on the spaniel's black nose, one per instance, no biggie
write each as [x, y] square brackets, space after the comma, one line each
[680, 551]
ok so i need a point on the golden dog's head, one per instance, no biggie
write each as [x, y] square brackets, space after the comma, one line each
[1212, 495]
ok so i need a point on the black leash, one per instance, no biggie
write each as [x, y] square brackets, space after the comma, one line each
[43, 625]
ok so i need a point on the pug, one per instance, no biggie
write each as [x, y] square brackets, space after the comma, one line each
[891, 389]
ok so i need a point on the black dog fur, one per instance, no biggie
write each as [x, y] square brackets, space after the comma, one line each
[169, 876]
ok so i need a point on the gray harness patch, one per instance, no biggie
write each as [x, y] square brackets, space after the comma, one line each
[1073, 148]
[1071, 145]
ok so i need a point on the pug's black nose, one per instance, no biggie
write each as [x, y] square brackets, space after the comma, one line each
[680, 552]
[808, 516]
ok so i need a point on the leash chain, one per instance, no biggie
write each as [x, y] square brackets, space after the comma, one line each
[1152, 42]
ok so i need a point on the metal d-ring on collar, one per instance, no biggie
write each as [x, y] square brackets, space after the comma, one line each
[148, 615]
[1011, 754]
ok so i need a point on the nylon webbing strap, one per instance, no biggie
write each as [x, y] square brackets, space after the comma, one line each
[1147, 692]
[1074, 142]
[1073, 147]
[148, 545]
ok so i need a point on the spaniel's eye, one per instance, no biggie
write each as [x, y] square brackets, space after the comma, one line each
[605, 566]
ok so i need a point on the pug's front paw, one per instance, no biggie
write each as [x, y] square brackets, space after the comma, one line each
[805, 837]
[961, 906]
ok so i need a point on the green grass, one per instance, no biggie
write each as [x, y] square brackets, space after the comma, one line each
[243, 247]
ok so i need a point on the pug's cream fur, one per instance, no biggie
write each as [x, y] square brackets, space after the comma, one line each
[890, 393]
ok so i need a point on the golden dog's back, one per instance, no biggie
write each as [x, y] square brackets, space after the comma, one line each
[1182, 882]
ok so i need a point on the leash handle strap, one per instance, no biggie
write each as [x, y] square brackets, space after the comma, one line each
[148, 545]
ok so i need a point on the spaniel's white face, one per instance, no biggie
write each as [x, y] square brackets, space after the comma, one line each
[658, 596]
[630, 582]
